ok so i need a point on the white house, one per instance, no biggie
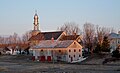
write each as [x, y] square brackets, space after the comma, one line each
[114, 40]
[48, 50]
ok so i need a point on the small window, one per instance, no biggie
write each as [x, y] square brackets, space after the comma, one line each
[41, 50]
[74, 43]
[74, 55]
[69, 50]
[79, 50]
[69, 56]
[59, 50]
[118, 42]
[74, 50]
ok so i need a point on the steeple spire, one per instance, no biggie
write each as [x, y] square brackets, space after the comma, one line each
[36, 25]
[35, 11]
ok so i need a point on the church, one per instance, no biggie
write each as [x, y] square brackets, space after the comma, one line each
[56, 45]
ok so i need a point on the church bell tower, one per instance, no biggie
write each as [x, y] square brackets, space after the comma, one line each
[36, 25]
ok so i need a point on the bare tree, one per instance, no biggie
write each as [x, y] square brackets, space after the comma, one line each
[89, 35]
[71, 28]
[26, 36]
[2, 40]
[10, 39]
[15, 37]
[101, 33]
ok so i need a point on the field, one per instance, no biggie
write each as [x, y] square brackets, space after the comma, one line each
[22, 64]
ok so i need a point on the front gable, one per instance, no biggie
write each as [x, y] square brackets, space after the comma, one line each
[75, 44]
[79, 38]
[63, 34]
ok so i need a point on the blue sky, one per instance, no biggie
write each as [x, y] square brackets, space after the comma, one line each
[17, 15]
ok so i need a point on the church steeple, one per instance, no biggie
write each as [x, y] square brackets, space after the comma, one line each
[36, 23]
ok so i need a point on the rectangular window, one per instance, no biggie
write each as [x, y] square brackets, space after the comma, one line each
[69, 50]
[59, 50]
[74, 55]
[79, 50]
[69, 56]
[74, 50]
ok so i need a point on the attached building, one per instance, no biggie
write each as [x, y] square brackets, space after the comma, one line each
[48, 50]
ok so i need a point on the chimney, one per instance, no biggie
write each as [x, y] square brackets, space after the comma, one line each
[52, 39]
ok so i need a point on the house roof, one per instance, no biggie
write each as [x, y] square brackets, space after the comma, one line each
[114, 35]
[69, 37]
[20, 45]
[46, 35]
[64, 44]
[53, 44]
[3, 45]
